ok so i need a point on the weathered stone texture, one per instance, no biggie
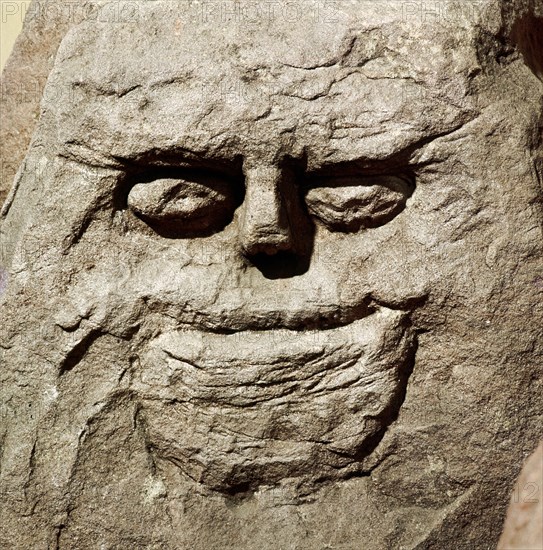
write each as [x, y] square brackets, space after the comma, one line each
[24, 76]
[274, 280]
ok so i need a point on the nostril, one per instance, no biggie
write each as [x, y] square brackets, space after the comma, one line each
[280, 264]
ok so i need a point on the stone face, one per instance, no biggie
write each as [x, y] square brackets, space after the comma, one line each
[272, 279]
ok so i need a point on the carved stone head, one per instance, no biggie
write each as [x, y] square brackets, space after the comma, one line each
[288, 249]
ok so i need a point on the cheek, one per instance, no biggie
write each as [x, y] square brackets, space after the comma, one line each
[389, 262]
[393, 270]
[437, 246]
[175, 272]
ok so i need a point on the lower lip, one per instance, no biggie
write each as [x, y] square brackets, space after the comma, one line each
[251, 367]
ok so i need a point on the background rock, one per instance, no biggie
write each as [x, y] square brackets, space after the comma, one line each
[523, 529]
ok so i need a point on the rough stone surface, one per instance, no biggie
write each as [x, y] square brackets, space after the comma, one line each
[24, 76]
[274, 279]
[523, 529]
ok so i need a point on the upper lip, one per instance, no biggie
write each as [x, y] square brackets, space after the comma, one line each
[313, 317]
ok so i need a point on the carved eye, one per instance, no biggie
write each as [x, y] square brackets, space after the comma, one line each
[184, 203]
[351, 203]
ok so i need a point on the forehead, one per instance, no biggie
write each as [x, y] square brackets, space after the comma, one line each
[356, 80]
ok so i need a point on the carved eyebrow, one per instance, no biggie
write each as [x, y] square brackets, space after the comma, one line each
[82, 153]
[182, 158]
[397, 162]
[394, 166]
[178, 157]
[404, 159]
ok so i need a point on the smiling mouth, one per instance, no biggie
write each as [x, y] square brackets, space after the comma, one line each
[256, 406]
[246, 367]
[239, 315]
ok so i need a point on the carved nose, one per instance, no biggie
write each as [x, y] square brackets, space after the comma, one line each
[265, 227]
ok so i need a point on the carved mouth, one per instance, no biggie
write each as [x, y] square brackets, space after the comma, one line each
[262, 405]
[243, 368]
[242, 314]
